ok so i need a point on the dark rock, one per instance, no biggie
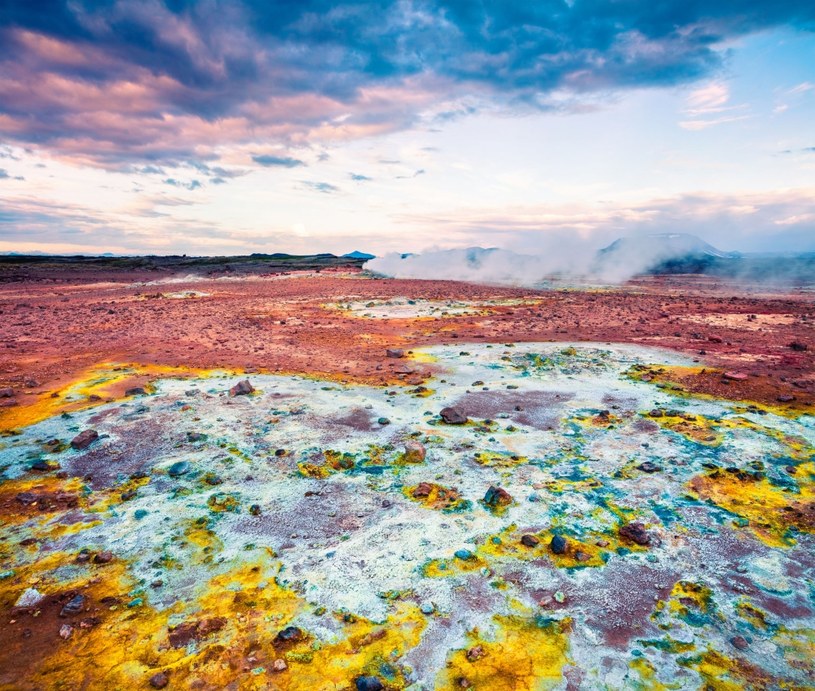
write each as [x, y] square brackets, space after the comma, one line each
[529, 540]
[242, 388]
[785, 398]
[255, 510]
[84, 439]
[453, 416]
[581, 556]
[8, 403]
[280, 452]
[423, 489]
[196, 436]
[740, 642]
[383, 421]
[291, 634]
[497, 496]
[649, 467]
[103, 558]
[636, 533]
[74, 606]
[178, 469]
[6, 393]
[464, 555]
[159, 680]
[83, 556]
[43, 466]
[558, 544]
[395, 353]
[476, 653]
[182, 634]
[369, 684]
[129, 494]
[797, 346]
[135, 391]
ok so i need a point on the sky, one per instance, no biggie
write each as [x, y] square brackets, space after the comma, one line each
[147, 127]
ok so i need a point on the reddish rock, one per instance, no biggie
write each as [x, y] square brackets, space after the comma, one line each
[453, 416]
[395, 353]
[636, 533]
[84, 439]
[414, 451]
[423, 489]
[242, 388]
[159, 680]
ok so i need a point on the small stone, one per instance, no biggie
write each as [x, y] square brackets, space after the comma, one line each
[255, 510]
[427, 608]
[649, 467]
[422, 490]
[560, 597]
[196, 436]
[366, 683]
[242, 388]
[529, 540]
[497, 496]
[582, 556]
[279, 665]
[383, 421]
[159, 680]
[558, 544]
[103, 558]
[797, 346]
[178, 469]
[83, 556]
[135, 391]
[394, 353]
[290, 634]
[740, 642]
[43, 466]
[414, 452]
[464, 555]
[636, 533]
[6, 393]
[84, 439]
[734, 376]
[74, 606]
[30, 598]
[476, 653]
[65, 631]
[453, 416]
[785, 398]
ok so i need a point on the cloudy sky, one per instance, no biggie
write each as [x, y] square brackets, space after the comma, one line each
[305, 125]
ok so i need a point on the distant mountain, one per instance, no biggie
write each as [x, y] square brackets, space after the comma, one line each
[356, 254]
[660, 253]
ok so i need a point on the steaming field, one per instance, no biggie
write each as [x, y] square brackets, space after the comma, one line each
[337, 482]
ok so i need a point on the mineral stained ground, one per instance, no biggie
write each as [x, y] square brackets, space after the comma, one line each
[334, 482]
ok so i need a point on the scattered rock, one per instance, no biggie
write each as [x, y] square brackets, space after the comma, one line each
[797, 346]
[178, 469]
[383, 421]
[291, 634]
[43, 466]
[65, 631]
[464, 555]
[636, 533]
[395, 353]
[476, 653]
[74, 606]
[369, 684]
[453, 416]
[735, 376]
[6, 393]
[582, 556]
[279, 665]
[649, 467]
[558, 544]
[136, 391]
[84, 439]
[529, 540]
[740, 642]
[242, 388]
[423, 489]
[103, 558]
[255, 510]
[196, 436]
[159, 680]
[182, 634]
[414, 452]
[785, 398]
[497, 496]
[30, 598]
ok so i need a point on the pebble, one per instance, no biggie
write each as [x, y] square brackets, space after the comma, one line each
[178, 469]
[529, 540]
[636, 533]
[367, 683]
[74, 606]
[649, 467]
[464, 555]
[84, 439]
[289, 635]
[740, 642]
[414, 451]
[453, 416]
[427, 608]
[242, 388]
[279, 665]
[65, 631]
[159, 680]
[103, 558]
[558, 544]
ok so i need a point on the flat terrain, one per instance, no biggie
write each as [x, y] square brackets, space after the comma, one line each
[321, 480]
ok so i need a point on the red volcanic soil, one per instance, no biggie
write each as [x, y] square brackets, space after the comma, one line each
[53, 330]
